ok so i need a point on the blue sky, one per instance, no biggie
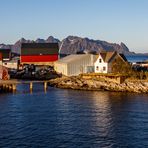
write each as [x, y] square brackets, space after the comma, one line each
[110, 20]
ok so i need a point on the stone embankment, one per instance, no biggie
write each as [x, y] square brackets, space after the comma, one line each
[99, 84]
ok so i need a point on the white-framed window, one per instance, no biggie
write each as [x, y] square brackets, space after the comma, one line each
[100, 60]
[97, 68]
[104, 68]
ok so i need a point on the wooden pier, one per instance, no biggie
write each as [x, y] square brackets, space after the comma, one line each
[11, 85]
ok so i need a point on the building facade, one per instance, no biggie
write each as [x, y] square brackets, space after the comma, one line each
[75, 64]
[39, 53]
[105, 61]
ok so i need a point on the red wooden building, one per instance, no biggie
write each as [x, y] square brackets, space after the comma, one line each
[39, 53]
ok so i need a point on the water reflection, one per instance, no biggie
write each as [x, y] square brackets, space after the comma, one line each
[67, 118]
[113, 117]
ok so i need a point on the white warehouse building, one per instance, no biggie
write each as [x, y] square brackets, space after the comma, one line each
[76, 64]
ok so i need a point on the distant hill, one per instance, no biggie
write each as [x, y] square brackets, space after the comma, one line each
[74, 44]
[17, 46]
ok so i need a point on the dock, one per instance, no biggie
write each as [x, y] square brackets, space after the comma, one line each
[11, 85]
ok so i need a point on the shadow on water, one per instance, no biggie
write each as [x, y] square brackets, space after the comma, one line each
[68, 118]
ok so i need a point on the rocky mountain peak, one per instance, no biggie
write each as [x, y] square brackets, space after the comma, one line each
[75, 44]
[22, 40]
[3, 46]
[125, 48]
[38, 40]
[51, 39]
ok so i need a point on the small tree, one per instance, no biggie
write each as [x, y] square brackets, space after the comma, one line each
[141, 75]
[146, 75]
[120, 66]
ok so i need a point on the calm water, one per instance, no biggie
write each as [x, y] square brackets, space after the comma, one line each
[137, 58]
[67, 118]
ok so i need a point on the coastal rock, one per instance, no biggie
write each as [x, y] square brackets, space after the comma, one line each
[85, 84]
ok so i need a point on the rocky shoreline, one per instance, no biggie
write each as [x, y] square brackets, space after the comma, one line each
[79, 83]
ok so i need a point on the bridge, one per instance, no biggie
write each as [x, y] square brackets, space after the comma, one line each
[11, 85]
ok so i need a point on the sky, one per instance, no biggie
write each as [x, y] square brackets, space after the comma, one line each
[114, 21]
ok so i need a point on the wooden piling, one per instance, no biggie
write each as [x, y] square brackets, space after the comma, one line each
[31, 86]
[45, 86]
[10, 87]
[7, 86]
[14, 87]
[3, 86]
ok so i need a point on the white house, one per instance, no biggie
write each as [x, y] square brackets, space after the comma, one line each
[75, 64]
[105, 59]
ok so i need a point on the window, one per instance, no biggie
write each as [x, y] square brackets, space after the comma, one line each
[97, 68]
[104, 68]
[100, 60]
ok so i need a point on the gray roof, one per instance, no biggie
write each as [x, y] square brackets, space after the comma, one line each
[108, 56]
[123, 57]
[74, 57]
[39, 48]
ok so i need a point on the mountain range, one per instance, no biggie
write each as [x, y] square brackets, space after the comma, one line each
[74, 44]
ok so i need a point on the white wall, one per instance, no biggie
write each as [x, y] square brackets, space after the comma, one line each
[79, 66]
[101, 67]
[75, 67]
[60, 68]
